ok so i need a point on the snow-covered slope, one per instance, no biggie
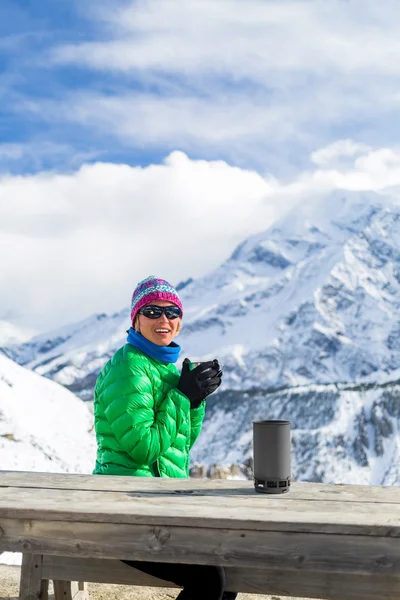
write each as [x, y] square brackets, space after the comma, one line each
[43, 426]
[314, 299]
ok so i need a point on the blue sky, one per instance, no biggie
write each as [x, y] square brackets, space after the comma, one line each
[30, 141]
[217, 115]
[260, 84]
[29, 31]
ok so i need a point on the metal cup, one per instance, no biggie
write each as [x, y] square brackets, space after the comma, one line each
[271, 456]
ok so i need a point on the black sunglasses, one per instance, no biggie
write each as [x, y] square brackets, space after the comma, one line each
[154, 312]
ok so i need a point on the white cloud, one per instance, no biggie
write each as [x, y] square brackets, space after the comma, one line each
[206, 124]
[243, 39]
[77, 244]
[338, 150]
[376, 170]
[349, 165]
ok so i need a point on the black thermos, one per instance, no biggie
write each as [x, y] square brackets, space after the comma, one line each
[271, 456]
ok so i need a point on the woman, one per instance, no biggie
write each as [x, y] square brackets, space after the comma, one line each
[148, 415]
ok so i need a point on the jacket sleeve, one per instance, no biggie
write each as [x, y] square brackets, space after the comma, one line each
[196, 422]
[142, 432]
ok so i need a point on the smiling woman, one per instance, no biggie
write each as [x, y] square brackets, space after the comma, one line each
[148, 415]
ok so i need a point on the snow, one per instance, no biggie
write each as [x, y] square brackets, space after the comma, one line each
[11, 558]
[43, 426]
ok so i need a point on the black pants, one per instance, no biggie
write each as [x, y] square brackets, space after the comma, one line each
[199, 582]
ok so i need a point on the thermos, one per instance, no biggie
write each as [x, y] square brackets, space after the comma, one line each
[271, 456]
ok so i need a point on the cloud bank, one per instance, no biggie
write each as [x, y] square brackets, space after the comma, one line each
[74, 244]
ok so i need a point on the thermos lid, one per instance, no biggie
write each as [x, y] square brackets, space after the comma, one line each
[273, 422]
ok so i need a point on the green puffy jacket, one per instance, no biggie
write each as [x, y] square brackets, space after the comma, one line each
[144, 425]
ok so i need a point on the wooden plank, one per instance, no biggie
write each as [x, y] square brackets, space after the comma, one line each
[62, 590]
[69, 590]
[277, 582]
[268, 513]
[31, 577]
[241, 548]
[66, 568]
[299, 491]
[44, 589]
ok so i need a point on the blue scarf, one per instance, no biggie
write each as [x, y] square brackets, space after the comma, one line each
[166, 354]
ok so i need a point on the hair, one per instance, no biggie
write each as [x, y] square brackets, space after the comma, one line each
[136, 325]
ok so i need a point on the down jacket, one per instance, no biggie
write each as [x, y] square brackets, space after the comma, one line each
[144, 424]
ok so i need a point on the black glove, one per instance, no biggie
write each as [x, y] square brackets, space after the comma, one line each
[214, 382]
[201, 382]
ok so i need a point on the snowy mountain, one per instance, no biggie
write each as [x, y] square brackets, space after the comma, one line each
[43, 426]
[314, 299]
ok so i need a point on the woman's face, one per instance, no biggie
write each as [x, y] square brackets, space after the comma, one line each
[159, 331]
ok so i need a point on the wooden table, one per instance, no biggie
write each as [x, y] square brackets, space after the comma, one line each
[319, 541]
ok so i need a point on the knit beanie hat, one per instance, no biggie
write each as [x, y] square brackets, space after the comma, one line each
[151, 289]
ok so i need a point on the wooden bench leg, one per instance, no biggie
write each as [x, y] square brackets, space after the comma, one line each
[32, 587]
[70, 590]
[44, 590]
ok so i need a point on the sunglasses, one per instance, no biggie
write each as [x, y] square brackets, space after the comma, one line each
[154, 312]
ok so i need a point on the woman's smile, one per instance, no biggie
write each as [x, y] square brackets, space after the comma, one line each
[162, 331]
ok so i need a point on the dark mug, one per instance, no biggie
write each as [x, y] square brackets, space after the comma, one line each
[271, 456]
[193, 365]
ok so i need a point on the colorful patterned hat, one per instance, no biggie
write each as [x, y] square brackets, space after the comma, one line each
[151, 289]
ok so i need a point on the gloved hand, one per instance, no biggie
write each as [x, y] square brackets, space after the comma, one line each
[215, 381]
[201, 382]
